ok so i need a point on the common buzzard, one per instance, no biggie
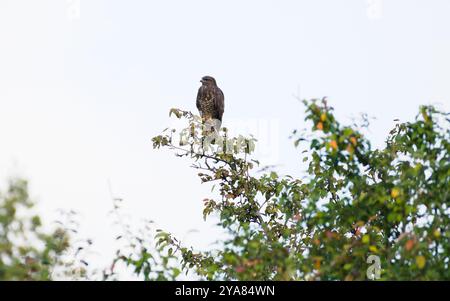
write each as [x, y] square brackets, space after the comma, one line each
[210, 102]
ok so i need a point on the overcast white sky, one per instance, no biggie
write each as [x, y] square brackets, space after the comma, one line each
[84, 85]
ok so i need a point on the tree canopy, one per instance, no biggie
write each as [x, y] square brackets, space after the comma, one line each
[354, 204]
[357, 213]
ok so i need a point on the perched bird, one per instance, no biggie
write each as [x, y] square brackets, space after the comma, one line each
[210, 102]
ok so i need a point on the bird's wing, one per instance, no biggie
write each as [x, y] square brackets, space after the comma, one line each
[199, 96]
[219, 103]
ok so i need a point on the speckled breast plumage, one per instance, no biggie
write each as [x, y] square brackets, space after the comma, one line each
[207, 105]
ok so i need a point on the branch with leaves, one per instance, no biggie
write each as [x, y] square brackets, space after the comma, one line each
[353, 202]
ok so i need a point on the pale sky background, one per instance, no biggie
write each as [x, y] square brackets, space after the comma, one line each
[84, 85]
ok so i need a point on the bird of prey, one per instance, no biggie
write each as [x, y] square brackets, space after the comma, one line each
[210, 102]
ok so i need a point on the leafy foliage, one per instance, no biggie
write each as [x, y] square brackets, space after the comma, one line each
[27, 252]
[138, 254]
[353, 202]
